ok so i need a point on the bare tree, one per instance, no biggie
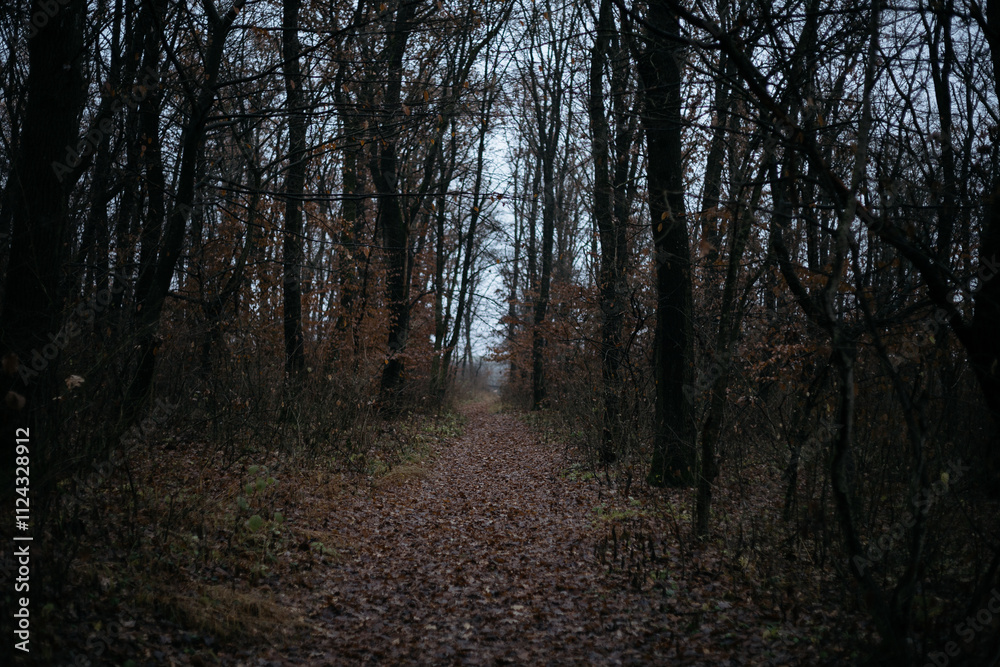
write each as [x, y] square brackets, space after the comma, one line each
[660, 65]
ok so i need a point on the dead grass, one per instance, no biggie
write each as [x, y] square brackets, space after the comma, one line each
[400, 475]
[227, 614]
[192, 537]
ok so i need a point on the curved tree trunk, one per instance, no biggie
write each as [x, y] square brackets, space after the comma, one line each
[151, 299]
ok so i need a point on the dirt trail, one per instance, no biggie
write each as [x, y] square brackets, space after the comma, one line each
[488, 559]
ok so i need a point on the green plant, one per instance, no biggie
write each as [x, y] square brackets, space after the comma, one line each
[255, 532]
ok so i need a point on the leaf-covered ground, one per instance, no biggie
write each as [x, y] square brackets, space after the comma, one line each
[495, 555]
[497, 546]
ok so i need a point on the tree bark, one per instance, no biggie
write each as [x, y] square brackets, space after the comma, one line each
[41, 229]
[150, 300]
[468, 259]
[547, 99]
[291, 263]
[611, 226]
[729, 326]
[395, 232]
[674, 455]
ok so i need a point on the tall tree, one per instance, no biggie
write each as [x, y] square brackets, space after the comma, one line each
[39, 191]
[444, 351]
[294, 186]
[660, 66]
[611, 208]
[151, 297]
[547, 96]
[385, 174]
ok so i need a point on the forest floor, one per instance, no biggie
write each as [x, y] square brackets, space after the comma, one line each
[496, 548]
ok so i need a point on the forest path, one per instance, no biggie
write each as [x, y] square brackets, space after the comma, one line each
[487, 559]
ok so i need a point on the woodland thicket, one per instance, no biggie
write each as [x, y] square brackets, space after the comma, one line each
[742, 248]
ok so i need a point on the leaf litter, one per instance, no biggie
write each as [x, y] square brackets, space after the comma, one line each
[494, 555]
[490, 548]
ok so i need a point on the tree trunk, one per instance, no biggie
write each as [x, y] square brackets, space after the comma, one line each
[353, 225]
[729, 326]
[395, 233]
[981, 340]
[440, 259]
[150, 301]
[674, 455]
[548, 132]
[512, 299]
[41, 229]
[613, 240]
[468, 259]
[542, 304]
[294, 186]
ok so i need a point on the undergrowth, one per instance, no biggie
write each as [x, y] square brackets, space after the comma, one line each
[193, 534]
[646, 537]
